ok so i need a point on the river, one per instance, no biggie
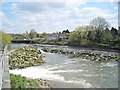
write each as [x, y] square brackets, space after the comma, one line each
[60, 71]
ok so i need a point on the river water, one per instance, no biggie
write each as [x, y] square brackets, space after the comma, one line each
[60, 71]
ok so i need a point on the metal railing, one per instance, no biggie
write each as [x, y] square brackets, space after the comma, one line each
[3, 61]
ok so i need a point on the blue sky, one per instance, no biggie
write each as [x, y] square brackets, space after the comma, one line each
[54, 16]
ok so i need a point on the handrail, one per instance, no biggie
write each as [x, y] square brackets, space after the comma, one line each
[2, 67]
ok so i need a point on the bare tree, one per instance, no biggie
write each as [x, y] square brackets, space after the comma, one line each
[99, 23]
[32, 34]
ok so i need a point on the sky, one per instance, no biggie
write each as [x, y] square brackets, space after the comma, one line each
[19, 16]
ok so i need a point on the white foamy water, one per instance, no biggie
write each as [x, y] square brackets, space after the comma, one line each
[37, 73]
[42, 51]
[48, 74]
[62, 71]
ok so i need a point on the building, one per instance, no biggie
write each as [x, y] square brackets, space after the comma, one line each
[57, 36]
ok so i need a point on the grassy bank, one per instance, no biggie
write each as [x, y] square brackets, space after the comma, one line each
[22, 82]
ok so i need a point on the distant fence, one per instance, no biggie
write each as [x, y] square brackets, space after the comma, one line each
[3, 63]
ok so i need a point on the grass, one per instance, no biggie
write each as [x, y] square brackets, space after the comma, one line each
[20, 82]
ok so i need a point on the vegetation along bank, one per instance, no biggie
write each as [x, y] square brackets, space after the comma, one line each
[22, 82]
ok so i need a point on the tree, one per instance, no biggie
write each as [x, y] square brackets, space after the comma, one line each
[98, 36]
[73, 36]
[114, 32]
[5, 38]
[65, 31]
[106, 36]
[91, 36]
[25, 35]
[32, 34]
[100, 23]
[80, 35]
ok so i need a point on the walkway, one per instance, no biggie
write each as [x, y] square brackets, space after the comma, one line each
[4, 69]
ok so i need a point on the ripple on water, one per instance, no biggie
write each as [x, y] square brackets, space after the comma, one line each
[109, 64]
[82, 82]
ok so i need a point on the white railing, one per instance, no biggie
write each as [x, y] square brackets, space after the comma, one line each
[2, 63]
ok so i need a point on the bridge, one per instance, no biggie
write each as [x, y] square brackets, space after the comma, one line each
[22, 41]
[4, 68]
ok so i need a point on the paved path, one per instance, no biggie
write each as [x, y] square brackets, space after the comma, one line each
[6, 75]
[4, 70]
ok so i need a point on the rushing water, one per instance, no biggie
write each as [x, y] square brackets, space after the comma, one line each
[60, 71]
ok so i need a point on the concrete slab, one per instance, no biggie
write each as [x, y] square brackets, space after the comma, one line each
[6, 84]
[6, 76]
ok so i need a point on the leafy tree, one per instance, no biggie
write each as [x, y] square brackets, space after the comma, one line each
[32, 34]
[73, 36]
[97, 33]
[98, 36]
[114, 32]
[80, 35]
[99, 23]
[44, 34]
[91, 36]
[106, 36]
[85, 42]
[5, 38]
[25, 35]
[17, 36]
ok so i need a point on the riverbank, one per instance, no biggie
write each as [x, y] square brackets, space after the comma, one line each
[90, 46]
[20, 82]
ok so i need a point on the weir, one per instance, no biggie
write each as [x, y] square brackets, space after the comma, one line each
[4, 69]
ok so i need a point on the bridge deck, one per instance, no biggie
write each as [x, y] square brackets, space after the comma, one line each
[22, 41]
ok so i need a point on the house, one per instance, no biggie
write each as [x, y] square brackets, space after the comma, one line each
[57, 37]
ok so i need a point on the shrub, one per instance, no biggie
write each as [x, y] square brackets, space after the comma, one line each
[5, 38]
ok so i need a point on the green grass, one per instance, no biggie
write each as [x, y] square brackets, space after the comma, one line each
[22, 82]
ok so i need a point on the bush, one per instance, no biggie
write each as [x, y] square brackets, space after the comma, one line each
[85, 42]
[5, 38]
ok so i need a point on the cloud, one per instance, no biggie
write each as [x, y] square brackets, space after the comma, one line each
[37, 7]
[6, 25]
[53, 16]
